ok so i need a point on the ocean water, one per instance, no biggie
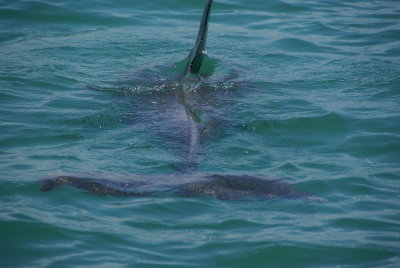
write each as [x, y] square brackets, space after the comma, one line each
[309, 92]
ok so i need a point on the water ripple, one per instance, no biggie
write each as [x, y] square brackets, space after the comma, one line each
[308, 92]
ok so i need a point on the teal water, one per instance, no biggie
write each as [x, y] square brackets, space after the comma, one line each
[312, 96]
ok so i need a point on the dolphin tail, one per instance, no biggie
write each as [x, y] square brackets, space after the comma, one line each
[198, 51]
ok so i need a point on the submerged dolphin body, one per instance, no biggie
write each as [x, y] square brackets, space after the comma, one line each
[193, 66]
[223, 187]
[177, 118]
[187, 100]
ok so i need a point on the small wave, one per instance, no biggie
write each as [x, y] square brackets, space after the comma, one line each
[281, 58]
[40, 11]
[330, 122]
[299, 45]
[380, 146]
[261, 126]
[32, 140]
[364, 224]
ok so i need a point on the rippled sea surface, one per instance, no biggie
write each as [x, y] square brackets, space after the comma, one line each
[313, 97]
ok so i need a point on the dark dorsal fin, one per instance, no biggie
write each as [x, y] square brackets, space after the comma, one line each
[198, 51]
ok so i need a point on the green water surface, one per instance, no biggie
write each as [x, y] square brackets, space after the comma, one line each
[312, 96]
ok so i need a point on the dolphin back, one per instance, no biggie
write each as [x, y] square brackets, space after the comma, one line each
[198, 52]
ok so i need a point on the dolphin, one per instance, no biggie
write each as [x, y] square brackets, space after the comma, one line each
[178, 117]
[193, 66]
[182, 105]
